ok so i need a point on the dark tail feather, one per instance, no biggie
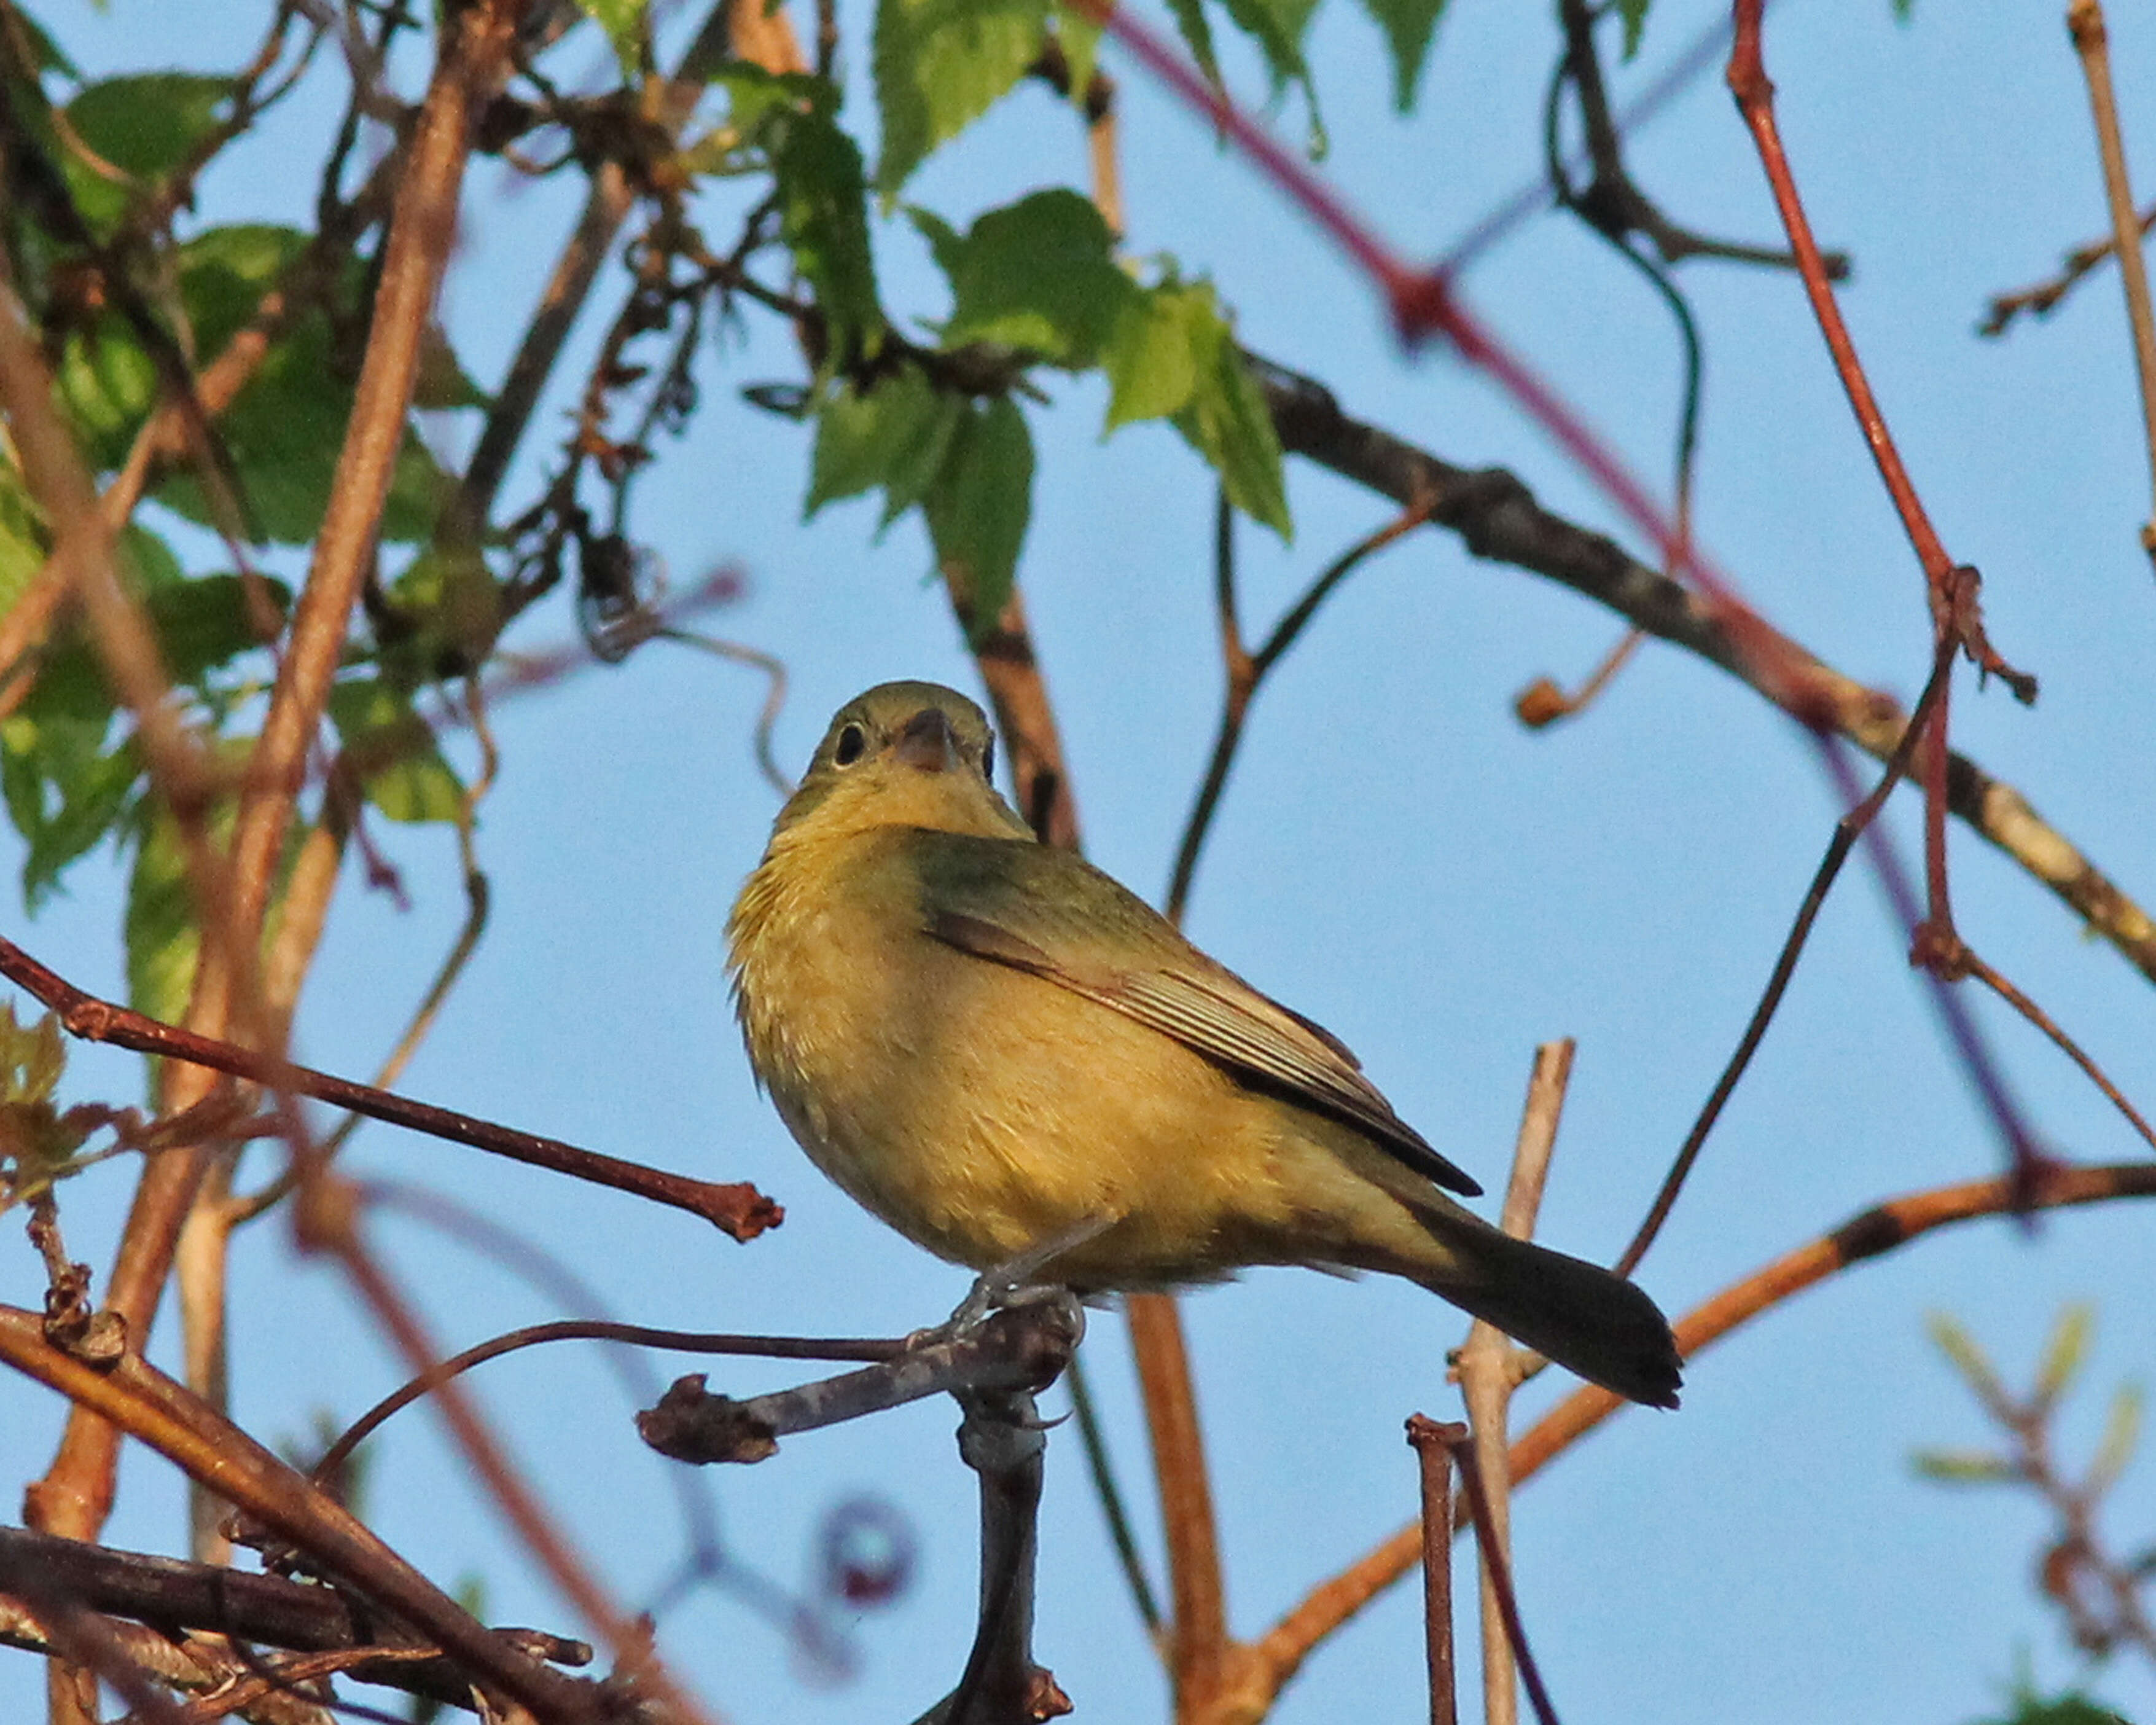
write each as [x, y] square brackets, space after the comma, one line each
[1586, 1319]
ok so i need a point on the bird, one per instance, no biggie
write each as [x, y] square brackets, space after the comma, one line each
[1020, 1065]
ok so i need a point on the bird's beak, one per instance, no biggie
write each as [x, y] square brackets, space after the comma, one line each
[926, 741]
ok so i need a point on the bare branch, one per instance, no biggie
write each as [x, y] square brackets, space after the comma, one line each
[2092, 45]
[738, 1210]
[1017, 1349]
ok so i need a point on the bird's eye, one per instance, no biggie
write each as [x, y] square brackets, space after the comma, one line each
[852, 741]
[988, 758]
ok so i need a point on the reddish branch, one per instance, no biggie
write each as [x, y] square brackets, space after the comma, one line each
[1957, 620]
[135, 1397]
[1431, 1442]
[199, 1609]
[737, 1208]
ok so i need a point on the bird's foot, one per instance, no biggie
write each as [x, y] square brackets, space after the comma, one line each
[1014, 1282]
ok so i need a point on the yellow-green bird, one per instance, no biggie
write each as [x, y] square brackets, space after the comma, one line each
[1015, 1062]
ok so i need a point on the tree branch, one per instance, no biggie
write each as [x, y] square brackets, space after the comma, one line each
[193, 1608]
[1495, 516]
[737, 1208]
[134, 1396]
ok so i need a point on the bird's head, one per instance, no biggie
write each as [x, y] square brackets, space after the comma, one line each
[904, 754]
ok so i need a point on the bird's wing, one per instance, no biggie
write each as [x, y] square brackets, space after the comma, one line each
[1076, 927]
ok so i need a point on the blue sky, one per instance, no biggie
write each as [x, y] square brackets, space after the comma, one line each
[1394, 857]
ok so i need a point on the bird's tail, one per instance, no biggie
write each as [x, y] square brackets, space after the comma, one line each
[1586, 1319]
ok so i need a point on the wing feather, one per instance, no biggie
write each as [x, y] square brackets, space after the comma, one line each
[1216, 1014]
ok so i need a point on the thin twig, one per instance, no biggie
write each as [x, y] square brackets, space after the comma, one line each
[1754, 93]
[1101, 1465]
[1484, 235]
[738, 1210]
[198, 1606]
[1497, 1571]
[327, 1220]
[1033, 742]
[1846, 832]
[2041, 300]
[1015, 1348]
[1612, 202]
[556, 1281]
[2092, 43]
[774, 696]
[90, 1649]
[2036, 1015]
[1002, 1441]
[325, 844]
[1245, 670]
[1951, 589]
[726, 30]
[815, 1347]
[1431, 1442]
[1487, 1374]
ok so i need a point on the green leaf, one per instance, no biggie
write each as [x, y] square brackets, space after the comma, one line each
[146, 560]
[442, 382]
[449, 612]
[939, 65]
[1041, 276]
[824, 215]
[204, 624]
[944, 241]
[1150, 356]
[41, 1058]
[224, 273]
[23, 541]
[1634, 15]
[2070, 1707]
[1226, 421]
[756, 97]
[1964, 1468]
[284, 433]
[108, 381]
[108, 384]
[979, 506]
[400, 767]
[38, 1143]
[1196, 36]
[145, 126]
[2122, 1432]
[162, 939]
[2063, 1357]
[66, 791]
[896, 436]
[1410, 26]
[1961, 1350]
[623, 21]
[1278, 27]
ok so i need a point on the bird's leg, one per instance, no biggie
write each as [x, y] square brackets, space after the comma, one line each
[1015, 1281]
